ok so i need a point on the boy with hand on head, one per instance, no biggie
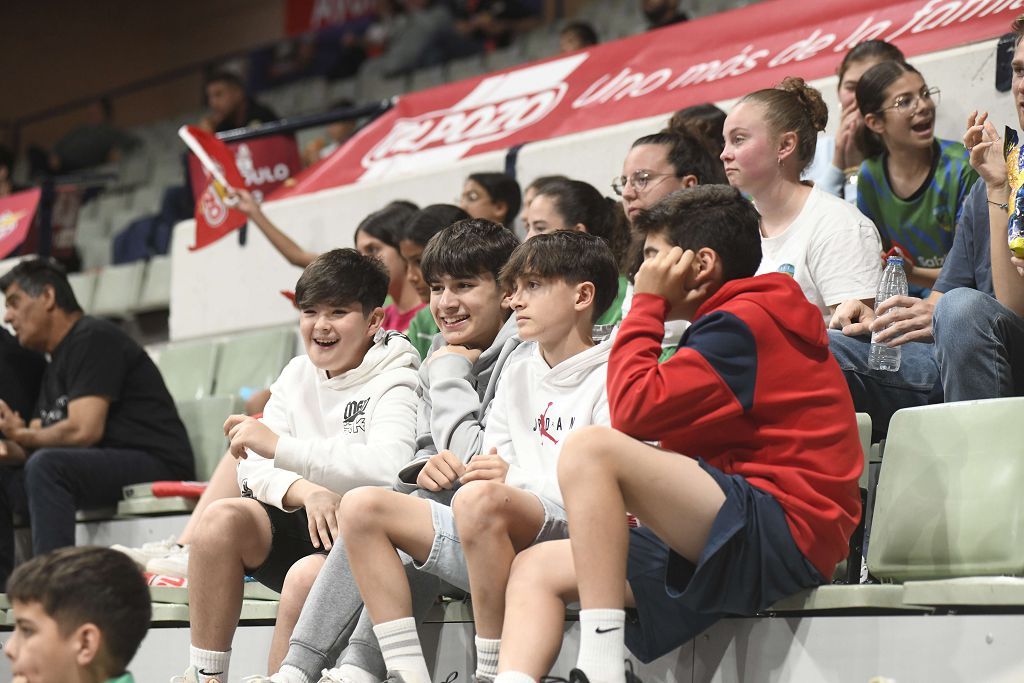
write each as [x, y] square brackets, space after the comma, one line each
[507, 497]
[461, 265]
[341, 416]
[79, 617]
[764, 497]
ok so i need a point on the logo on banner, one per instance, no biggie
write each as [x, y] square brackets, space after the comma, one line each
[9, 222]
[16, 214]
[497, 107]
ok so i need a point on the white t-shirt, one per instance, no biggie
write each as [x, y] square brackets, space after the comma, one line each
[832, 249]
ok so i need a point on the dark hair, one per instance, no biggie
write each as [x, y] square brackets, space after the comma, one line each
[431, 220]
[571, 256]
[703, 120]
[502, 188]
[794, 106]
[583, 31]
[89, 585]
[342, 277]
[387, 224]
[1017, 26]
[712, 216]
[7, 159]
[34, 275]
[226, 77]
[688, 154]
[870, 49]
[871, 97]
[538, 183]
[468, 248]
[578, 202]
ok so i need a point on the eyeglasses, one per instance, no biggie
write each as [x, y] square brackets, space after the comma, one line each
[639, 180]
[907, 105]
[470, 196]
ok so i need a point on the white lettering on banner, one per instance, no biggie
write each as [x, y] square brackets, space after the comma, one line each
[803, 49]
[868, 30]
[476, 126]
[938, 13]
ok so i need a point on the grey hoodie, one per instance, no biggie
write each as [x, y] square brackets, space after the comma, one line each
[456, 401]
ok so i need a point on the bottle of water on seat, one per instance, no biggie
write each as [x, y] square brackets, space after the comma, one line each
[893, 283]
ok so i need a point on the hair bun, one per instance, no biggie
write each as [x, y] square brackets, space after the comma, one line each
[809, 98]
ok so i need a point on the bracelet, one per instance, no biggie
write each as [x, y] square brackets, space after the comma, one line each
[1004, 206]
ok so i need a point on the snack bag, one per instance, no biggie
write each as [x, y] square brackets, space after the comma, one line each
[1015, 174]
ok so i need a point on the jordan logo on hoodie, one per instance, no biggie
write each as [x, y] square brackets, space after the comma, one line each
[355, 416]
[545, 425]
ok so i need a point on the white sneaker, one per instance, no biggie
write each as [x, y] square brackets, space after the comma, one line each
[191, 676]
[172, 563]
[148, 551]
[332, 676]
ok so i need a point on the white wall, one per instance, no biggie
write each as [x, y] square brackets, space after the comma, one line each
[225, 288]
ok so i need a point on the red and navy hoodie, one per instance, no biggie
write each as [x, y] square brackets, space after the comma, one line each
[753, 390]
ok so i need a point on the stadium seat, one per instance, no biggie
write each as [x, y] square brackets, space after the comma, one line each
[188, 369]
[250, 362]
[156, 285]
[430, 77]
[136, 167]
[95, 252]
[541, 42]
[84, 286]
[342, 89]
[146, 199]
[504, 58]
[204, 420]
[970, 591]
[864, 430]
[117, 290]
[469, 67]
[854, 598]
[949, 500]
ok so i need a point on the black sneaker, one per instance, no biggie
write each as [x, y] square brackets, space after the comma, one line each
[577, 676]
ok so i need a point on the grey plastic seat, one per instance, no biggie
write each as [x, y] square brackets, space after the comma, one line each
[188, 369]
[84, 286]
[117, 289]
[204, 420]
[430, 77]
[156, 285]
[466, 68]
[250, 362]
[948, 502]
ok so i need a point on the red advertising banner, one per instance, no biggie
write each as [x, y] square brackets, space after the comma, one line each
[710, 59]
[302, 16]
[16, 214]
[260, 166]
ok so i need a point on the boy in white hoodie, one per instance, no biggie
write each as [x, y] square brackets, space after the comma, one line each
[339, 417]
[509, 499]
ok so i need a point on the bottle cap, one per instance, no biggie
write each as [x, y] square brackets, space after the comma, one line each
[898, 260]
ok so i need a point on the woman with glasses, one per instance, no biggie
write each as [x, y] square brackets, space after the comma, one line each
[913, 184]
[825, 243]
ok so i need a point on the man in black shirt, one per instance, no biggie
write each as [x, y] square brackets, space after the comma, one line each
[230, 106]
[662, 13]
[104, 417]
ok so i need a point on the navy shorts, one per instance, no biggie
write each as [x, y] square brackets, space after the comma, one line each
[749, 562]
[289, 543]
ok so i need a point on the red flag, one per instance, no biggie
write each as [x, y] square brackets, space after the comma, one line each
[16, 214]
[214, 217]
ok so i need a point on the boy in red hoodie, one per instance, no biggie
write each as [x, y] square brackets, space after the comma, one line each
[766, 501]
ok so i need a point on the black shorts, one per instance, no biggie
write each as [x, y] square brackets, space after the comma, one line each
[750, 562]
[289, 543]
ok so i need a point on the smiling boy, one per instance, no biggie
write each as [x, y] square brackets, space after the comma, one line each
[341, 416]
[507, 497]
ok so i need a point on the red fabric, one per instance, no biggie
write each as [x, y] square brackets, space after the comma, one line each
[798, 441]
[398, 321]
[184, 489]
[16, 214]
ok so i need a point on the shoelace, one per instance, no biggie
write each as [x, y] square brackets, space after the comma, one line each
[331, 676]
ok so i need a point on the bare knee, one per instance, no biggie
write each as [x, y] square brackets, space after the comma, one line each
[481, 506]
[226, 521]
[300, 578]
[363, 510]
[584, 450]
[545, 569]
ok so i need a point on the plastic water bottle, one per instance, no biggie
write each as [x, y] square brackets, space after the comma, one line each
[893, 283]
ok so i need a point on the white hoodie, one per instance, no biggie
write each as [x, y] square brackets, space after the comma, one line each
[356, 429]
[536, 407]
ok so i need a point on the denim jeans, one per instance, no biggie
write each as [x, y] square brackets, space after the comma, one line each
[880, 393]
[979, 345]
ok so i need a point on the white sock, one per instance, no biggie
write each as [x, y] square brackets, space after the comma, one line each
[602, 645]
[211, 665]
[487, 657]
[514, 677]
[400, 646]
[353, 674]
[290, 674]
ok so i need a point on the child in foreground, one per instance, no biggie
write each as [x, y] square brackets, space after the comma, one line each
[763, 501]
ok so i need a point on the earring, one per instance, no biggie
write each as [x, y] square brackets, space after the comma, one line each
[780, 162]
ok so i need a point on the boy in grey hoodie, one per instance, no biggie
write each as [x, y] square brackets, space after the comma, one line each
[458, 380]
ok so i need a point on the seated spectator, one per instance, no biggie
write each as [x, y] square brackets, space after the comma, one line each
[506, 498]
[21, 374]
[837, 159]
[341, 415]
[337, 134]
[704, 120]
[662, 13]
[93, 143]
[7, 186]
[424, 224]
[80, 614]
[458, 385]
[417, 38]
[230, 106]
[492, 197]
[576, 35]
[104, 418]
[484, 25]
[575, 205]
[914, 189]
[830, 248]
[750, 494]
[962, 342]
